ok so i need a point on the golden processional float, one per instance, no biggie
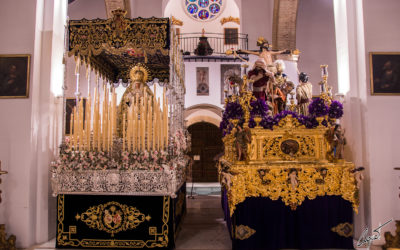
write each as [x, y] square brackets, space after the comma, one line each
[283, 174]
[119, 178]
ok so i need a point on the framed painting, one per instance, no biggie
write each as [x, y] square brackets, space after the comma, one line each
[228, 71]
[385, 73]
[202, 81]
[70, 104]
[14, 76]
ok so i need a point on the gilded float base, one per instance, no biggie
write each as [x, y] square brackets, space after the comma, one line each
[290, 182]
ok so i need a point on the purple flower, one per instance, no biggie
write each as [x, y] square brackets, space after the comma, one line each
[258, 108]
[308, 122]
[335, 110]
[318, 108]
[233, 110]
[252, 123]
[267, 122]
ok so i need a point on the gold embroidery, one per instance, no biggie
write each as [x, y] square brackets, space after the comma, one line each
[112, 217]
[343, 229]
[65, 238]
[88, 37]
[244, 232]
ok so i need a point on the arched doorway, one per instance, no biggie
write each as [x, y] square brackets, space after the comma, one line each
[206, 144]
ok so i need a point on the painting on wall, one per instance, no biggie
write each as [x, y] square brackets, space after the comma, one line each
[202, 81]
[228, 71]
[385, 73]
[70, 104]
[14, 76]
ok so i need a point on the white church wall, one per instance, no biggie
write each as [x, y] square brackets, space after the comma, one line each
[30, 130]
[214, 72]
[17, 20]
[315, 38]
[381, 21]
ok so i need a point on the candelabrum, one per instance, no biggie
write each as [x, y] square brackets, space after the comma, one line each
[326, 91]
[292, 106]
[246, 96]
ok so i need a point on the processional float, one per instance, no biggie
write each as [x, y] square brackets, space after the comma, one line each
[119, 178]
[285, 182]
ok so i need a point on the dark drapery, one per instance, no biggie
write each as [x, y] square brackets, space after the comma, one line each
[277, 226]
[119, 221]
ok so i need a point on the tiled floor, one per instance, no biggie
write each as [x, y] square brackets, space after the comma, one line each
[204, 226]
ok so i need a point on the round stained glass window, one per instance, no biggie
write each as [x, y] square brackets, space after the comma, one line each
[203, 10]
[192, 8]
[214, 8]
[203, 14]
[203, 3]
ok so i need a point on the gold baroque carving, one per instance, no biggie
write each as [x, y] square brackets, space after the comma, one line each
[343, 229]
[393, 242]
[5, 243]
[273, 181]
[175, 21]
[244, 232]
[112, 217]
[230, 19]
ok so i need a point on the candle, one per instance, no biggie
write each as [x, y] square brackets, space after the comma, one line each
[149, 117]
[81, 124]
[142, 120]
[167, 112]
[129, 131]
[107, 118]
[75, 133]
[134, 128]
[94, 117]
[155, 126]
[87, 127]
[158, 125]
[71, 137]
[98, 120]
[123, 133]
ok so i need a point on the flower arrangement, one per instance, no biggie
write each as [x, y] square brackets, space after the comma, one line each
[180, 142]
[335, 110]
[318, 108]
[233, 110]
[70, 159]
[258, 108]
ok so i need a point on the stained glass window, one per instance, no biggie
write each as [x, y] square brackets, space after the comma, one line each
[203, 10]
